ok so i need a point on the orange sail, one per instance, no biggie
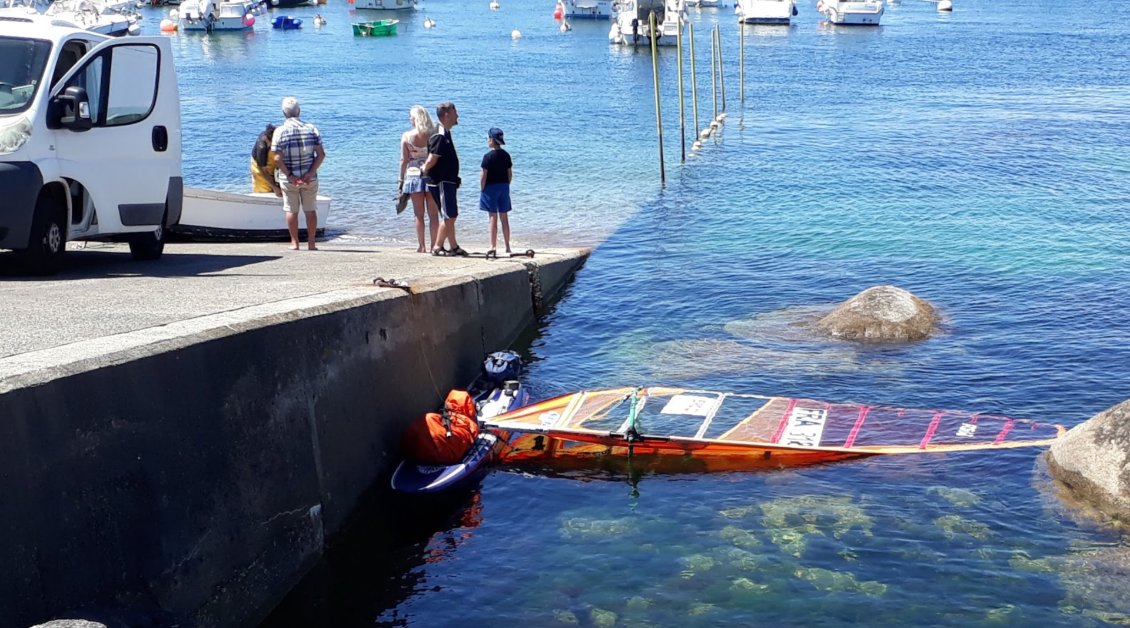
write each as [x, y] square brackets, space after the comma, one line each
[734, 431]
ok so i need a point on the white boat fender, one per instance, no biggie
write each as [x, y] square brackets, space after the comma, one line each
[566, 26]
[494, 5]
[614, 34]
[515, 34]
[945, 5]
[429, 22]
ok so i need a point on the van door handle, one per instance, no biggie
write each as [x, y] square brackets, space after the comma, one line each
[160, 139]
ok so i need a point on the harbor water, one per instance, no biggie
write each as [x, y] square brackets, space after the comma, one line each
[976, 159]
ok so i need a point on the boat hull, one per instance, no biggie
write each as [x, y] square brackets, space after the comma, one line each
[587, 9]
[868, 13]
[385, 5]
[778, 12]
[212, 215]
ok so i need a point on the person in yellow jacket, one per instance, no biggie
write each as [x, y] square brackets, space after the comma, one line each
[263, 164]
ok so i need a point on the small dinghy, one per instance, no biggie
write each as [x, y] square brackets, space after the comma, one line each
[495, 392]
[286, 23]
[375, 28]
[728, 431]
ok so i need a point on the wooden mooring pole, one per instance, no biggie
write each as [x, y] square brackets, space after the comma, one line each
[655, 76]
[682, 115]
[694, 85]
[721, 66]
[741, 62]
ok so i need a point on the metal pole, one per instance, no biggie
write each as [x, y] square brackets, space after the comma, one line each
[694, 82]
[655, 76]
[682, 115]
[721, 66]
[714, 75]
[741, 62]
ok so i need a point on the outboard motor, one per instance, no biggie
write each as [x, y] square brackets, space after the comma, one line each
[502, 366]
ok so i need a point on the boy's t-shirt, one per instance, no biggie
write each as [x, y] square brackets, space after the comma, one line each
[497, 163]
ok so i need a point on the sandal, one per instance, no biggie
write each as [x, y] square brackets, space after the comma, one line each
[441, 253]
[458, 251]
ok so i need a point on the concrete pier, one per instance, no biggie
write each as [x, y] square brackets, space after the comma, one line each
[178, 438]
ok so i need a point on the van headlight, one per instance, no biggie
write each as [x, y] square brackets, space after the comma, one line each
[14, 135]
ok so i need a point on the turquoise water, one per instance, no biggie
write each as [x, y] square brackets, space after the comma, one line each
[977, 159]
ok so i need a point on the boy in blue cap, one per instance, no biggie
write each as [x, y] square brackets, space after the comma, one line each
[494, 181]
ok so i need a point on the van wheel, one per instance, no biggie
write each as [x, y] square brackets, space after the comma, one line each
[149, 246]
[48, 239]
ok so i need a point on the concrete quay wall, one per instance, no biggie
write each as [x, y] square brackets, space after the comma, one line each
[191, 473]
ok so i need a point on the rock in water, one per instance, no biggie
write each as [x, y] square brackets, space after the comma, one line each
[881, 314]
[1091, 462]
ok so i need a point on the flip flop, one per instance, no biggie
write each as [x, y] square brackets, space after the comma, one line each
[458, 251]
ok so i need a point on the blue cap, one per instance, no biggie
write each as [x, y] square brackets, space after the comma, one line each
[495, 134]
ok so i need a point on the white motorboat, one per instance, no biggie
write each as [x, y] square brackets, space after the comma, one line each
[765, 11]
[632, 27]
[217, 15]
[108, 18]
[852, 12]
[386, 5]
[211, 215]
[585, 9]
[705, 4]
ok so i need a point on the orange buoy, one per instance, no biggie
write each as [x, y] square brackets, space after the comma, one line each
[558, 12]
[168, 26]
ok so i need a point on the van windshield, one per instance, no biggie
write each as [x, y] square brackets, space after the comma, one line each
[22, 62]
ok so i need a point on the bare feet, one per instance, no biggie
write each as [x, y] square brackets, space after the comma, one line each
[311, 248]
[421, 250]
[293, 247]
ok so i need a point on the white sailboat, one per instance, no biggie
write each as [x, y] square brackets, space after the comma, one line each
[852, 12]
[632, 27]
[765, 11]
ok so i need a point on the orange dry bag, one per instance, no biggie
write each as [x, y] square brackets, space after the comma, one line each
[442, 438]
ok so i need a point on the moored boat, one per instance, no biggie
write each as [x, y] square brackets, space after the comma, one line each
[385, 5]
[584, 9]
[852, 12]
[729, 431]
[632, 26]
[765, 11]
[212, 215]
[286, 23]
[213, 15]
[375, 28]
[107, 18]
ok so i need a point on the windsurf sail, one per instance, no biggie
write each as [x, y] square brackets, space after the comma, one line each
[699, 423]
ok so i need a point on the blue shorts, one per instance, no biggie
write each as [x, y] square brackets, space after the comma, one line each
[445, 194]
[495, 198]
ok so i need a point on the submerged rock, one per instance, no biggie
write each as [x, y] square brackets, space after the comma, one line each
[1090, 462]
[881, 314]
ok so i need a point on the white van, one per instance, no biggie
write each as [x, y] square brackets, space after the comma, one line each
[90, 140]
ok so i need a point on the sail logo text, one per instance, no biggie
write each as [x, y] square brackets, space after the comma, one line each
[805, 427]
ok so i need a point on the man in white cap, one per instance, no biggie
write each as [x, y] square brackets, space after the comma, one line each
[298, 155]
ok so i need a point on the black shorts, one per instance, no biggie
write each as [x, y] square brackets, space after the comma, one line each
[445, 193]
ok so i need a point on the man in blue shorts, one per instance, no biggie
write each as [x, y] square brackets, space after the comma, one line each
[442, 170]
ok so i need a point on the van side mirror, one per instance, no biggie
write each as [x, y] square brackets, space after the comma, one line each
[71, 110]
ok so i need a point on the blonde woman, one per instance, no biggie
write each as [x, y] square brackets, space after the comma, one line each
[413, 153]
